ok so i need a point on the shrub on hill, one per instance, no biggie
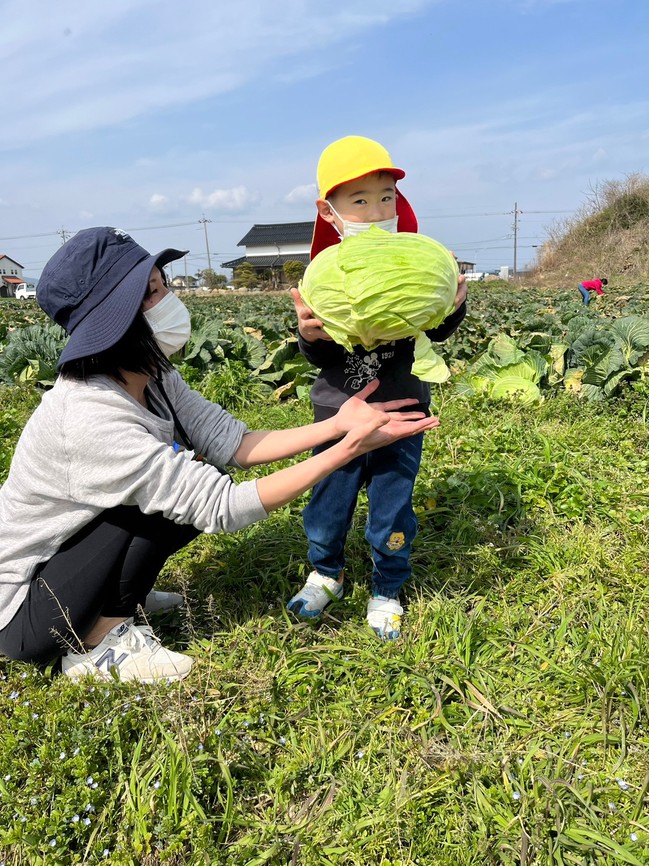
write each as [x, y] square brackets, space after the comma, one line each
[609, 236]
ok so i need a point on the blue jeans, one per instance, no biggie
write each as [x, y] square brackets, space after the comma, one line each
[389, 475]
[585, 293]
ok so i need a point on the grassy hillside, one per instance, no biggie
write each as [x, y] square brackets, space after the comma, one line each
[609, 237]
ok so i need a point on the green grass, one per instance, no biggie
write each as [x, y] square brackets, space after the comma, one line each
[508, 726]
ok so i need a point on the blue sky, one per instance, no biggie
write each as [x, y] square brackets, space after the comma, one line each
[149, 114]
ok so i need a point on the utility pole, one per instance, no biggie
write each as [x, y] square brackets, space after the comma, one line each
[64, 235]
[205, 221]
[186, 280]
[516, 213]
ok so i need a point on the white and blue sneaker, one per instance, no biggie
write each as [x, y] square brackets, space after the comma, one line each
[384, 617]
[128, 652]
[315, 595]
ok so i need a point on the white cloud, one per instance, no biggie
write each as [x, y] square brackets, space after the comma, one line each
[158, 201]
[236, 199]
[92, 66]
[305, 194]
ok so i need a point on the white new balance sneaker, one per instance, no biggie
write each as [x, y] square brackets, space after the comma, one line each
[158, 600]
[134, 652]
[315, 595]
[384, 616]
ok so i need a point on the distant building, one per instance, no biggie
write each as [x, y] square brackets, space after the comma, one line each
[11, 276]
[269, 246]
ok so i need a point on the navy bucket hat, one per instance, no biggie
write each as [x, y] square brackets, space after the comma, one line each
[94, 285]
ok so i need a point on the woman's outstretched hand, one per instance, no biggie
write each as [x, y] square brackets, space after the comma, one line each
[372, 425]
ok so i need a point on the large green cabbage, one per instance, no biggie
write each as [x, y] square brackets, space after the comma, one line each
[376, 287]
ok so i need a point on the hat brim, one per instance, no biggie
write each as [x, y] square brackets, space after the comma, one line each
[107, 323]
[325, 234]
[397, 174]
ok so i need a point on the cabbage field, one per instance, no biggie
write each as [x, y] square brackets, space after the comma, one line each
[510, 724]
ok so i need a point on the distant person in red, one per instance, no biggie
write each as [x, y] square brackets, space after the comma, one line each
[589, 286]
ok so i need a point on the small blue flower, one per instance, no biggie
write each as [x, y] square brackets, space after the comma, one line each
[156, 785]
[89, 780]
[218, 732]
[200, 747]
[62, 756]
[623, 785]
[282, 740]
[360, 754]
[75, 819]
[612, 807]
[105, 853]
[52, 843]
[633, 837]
[516, 795]
[86, 821]
[14, 695]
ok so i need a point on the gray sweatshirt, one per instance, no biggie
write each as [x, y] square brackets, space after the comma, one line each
[90, 446]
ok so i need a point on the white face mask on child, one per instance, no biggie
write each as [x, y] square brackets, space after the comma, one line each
[350, 229]
[171, 324]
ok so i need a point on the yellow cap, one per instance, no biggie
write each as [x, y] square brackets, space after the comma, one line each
[352, 157]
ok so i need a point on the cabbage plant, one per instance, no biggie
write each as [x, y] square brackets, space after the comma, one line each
[377, 287]
[505, 371]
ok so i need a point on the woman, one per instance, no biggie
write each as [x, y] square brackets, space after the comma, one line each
[100, 494]
[588, 286]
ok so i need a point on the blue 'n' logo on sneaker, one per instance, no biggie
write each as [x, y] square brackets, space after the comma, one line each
[108, 658]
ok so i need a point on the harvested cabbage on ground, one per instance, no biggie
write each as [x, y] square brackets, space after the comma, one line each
[376, 287]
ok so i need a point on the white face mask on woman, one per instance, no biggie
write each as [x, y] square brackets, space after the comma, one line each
[170, 322]
[350, 229]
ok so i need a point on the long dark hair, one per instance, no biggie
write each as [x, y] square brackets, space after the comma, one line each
[136, 352]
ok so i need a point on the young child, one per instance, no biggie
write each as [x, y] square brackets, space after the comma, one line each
[357, 188]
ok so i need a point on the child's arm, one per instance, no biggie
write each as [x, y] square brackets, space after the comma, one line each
[451, 323]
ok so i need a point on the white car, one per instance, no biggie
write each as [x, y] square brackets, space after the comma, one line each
[25, 291]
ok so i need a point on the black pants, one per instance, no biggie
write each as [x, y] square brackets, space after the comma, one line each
[106, 569]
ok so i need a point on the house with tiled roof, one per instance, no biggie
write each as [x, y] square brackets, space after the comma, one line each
[11, 276]
[269, 245]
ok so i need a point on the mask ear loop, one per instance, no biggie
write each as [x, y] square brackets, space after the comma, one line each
[335, 213]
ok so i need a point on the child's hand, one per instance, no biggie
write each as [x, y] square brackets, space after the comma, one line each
[460, 296]
[310, 328]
